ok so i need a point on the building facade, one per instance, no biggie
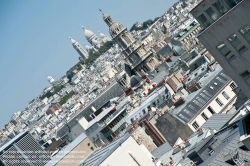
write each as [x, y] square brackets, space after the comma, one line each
[215, 96]
[187, 36]
[226, 35]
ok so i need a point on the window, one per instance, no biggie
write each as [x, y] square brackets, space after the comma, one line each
[122, 43]
[233, 86]
[219, 6]
[210, 109]
[246, 76]
[225, 95]
[232, 3]
[188, 113]
[212, 14]
[183, 117]
[205, 96]
[149, 107]
[195, 125]
[219, 102]
[224, 50]
[236, 43]
[224, 75]
[200, 100]
[221, 80]
[204, 116]
[207, 93]
[191, 107]
[203, 20]
[198, 103]
[246, 33]
[126, 39]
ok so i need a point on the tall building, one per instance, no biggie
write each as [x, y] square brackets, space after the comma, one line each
[23, 150]
[226, 35]
[84, 54]
[140, 59]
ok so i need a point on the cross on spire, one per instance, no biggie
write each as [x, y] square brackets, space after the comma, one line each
[101, 11]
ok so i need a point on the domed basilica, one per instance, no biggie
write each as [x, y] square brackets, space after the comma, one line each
[95, 42]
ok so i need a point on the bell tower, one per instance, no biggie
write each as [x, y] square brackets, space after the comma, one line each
[140, 59]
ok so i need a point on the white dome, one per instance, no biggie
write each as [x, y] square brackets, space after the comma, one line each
[50, 79]
[88, 33]
[87, 47]
[102, 35]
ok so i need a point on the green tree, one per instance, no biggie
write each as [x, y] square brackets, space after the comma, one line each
[145, 24]
[93, 56]
[65, 98]
[70, 75]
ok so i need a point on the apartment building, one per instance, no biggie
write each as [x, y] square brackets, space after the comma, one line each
[226, 35]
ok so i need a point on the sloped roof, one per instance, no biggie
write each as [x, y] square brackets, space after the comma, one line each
[196, 100]
[96, 158]
[217, 121]
[158, 152]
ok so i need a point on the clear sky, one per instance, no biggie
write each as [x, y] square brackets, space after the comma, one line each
[34, 40]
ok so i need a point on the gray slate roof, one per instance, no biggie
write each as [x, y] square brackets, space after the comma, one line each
[196, 100]
[229, 145]
[217, 121]
[158, 152]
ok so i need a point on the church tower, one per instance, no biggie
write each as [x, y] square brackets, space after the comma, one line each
[140, 59]
[79, 49]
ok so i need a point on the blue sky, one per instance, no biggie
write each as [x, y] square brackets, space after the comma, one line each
[34, 40]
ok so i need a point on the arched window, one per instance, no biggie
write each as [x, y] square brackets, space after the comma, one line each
[113, 33]
[125, 37]
[121, 43]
